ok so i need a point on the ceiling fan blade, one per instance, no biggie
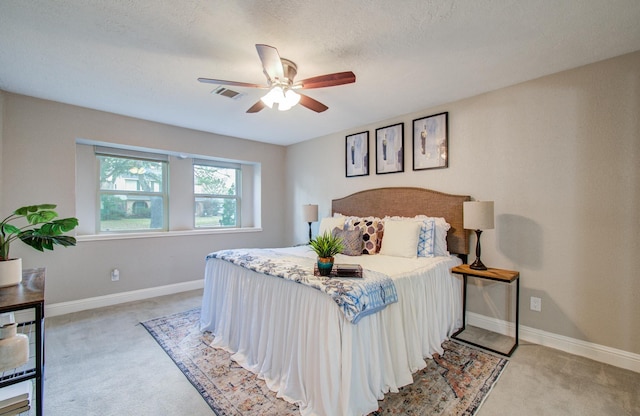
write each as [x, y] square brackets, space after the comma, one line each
[329, 80]
[234, 83]
[256, 107]
[271, 63]
[312, 104]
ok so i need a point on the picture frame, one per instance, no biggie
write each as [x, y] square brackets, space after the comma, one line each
[356, 159]
[390, 149]
[431, 142]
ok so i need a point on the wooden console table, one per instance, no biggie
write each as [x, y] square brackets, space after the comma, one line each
[29, 294]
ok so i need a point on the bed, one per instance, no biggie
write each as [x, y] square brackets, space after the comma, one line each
[301, 343]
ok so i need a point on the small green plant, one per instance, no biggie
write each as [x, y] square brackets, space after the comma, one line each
[49, 233]
[327, 245]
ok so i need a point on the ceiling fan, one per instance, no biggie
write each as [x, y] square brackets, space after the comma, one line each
[280, 73]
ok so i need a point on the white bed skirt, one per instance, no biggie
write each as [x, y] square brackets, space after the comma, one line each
[297, 339]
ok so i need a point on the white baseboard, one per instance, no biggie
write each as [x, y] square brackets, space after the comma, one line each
[63, 308]
[596, 352]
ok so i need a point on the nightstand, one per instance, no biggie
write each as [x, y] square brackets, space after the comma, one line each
[496, 275]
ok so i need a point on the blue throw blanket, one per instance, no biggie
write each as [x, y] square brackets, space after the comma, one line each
[356, 297]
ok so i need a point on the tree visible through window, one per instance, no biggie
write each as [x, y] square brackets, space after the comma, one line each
[132, 194]
[217, 201]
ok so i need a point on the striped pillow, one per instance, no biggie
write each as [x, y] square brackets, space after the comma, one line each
[426, 239]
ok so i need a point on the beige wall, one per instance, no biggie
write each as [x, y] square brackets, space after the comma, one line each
[1, 132]
[560, 156]
[39, 143]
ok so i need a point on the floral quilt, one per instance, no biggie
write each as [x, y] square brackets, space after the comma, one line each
[356, 297]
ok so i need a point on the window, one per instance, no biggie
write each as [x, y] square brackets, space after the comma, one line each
[216, 189]
[132, 192]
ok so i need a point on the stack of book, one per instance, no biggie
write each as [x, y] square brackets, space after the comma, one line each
[339, 270]
[348, 270]
[14, 399]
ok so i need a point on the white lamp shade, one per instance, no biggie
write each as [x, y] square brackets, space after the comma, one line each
[310, 213]
[478, 215]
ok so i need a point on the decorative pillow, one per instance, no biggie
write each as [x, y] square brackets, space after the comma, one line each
[352, 240]
[329, 223]
[401, 238]
[380, 235]
[380, 230]
[441, 228]
[369, 233]
[426, 240]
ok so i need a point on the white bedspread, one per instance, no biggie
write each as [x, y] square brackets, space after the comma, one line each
[297, 340]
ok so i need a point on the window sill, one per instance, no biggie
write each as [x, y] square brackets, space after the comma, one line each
[161, 234]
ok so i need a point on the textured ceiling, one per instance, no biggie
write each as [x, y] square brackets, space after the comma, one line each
[141, 58]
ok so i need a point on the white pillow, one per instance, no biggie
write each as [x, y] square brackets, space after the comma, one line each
[329, 223]
[426, 238]
[400, 238]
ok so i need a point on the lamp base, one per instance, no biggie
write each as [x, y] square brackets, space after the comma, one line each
[477, 265]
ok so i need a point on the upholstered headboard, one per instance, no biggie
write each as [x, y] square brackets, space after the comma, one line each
[408, 202]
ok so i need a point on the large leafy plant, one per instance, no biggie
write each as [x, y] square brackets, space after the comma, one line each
[41, 232]
[327, 245]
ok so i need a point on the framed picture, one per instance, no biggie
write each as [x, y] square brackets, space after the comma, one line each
[390, 149]
[431, 142]
[357, 154]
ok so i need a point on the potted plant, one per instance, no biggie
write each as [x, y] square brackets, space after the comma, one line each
[41, 232]
[326, 246]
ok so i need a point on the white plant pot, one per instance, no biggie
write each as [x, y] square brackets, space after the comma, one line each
[10, 272]
[14, 347]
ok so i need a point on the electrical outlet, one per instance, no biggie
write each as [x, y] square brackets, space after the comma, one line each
[115, 275]
[536, 304]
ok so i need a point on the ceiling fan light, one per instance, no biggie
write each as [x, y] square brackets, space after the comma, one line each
[289, 99]
[284, 106]
[267, 101]
[292, 97]
[284, 99]
[275, 95]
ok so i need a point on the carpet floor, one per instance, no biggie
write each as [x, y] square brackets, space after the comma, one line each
[455, 383]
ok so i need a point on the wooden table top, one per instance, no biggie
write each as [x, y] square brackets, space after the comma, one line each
[491, 273]
[26, 294]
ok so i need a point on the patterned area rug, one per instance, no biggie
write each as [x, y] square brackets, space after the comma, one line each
[455, 383]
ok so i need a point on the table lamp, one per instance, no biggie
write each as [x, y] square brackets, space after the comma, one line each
[478, 216]
[310, 215]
